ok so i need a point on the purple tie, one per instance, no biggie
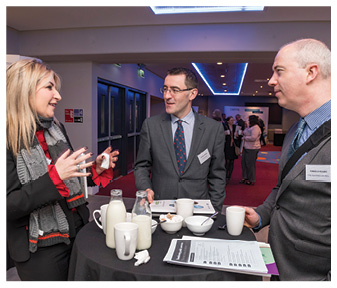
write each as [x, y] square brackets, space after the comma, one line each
[179, 146]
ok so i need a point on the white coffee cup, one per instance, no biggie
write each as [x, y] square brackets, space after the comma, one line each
[126, 234]
[184, 207]
[228, 132]
[102, 218]
[235, 217]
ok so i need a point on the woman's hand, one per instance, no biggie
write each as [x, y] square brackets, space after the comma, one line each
[112, 159]
[68, 166]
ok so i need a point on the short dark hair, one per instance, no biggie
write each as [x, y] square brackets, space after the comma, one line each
[191, 80]
[253, 120]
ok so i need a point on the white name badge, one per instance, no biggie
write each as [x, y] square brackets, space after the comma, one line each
[318, 173]
[203, 156]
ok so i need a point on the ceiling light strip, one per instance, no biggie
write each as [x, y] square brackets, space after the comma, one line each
[203, 78]
[202, 9]
[245, 65]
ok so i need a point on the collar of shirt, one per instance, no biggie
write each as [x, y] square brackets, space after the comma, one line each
[315, 119]
[188, 125]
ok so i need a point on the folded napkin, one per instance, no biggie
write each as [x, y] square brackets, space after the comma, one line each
[142, 257]
[106, 160]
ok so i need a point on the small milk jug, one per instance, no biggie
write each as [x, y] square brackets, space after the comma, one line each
[115, 213]
[142, 215]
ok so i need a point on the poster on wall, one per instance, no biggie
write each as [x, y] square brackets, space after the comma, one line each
[78, 115]
[73, 115]
[245, 112]
[69, 115]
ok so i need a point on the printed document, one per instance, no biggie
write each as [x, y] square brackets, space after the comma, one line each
[227, 255]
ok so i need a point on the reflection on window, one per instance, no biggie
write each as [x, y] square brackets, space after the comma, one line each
[102, 126]
[112, 116]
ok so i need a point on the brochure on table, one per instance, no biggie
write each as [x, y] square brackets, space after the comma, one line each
[202, 206]
[248, 257]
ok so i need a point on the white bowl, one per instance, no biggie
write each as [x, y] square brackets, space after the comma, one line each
[193, 224]
[153, 228]
[171, 227]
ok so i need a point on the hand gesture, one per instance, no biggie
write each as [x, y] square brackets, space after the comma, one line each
[112, 159]
[68, 166]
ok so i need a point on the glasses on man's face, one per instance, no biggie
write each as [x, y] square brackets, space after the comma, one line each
[173, 91]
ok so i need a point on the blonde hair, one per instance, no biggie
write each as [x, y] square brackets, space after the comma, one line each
[23, 77]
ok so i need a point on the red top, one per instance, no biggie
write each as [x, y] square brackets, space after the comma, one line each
[102, 179]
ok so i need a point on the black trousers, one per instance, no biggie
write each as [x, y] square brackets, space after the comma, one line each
[46, 264]
[248, 164]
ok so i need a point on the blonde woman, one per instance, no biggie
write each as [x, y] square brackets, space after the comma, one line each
[45, 204]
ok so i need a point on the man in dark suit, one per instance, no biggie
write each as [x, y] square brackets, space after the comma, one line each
[240, 122]
[298, 209]
[199, 171]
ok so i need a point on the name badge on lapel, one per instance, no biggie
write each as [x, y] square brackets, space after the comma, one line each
[203, 156]
[318, 173]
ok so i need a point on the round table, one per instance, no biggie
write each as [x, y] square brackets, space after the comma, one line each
[91, 259]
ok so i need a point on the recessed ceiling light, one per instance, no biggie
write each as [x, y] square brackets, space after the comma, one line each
[219, 63]
[222, 76]
[203, 9]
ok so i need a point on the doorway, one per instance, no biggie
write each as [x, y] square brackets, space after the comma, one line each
[121, 112]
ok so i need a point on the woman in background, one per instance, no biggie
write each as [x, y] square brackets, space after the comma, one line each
[45, 205]
[251, 148]
[231, 141]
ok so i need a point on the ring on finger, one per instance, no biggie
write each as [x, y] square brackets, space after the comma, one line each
[78, 168]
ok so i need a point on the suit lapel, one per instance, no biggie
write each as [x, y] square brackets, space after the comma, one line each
[298, 168]
[167, 134]
[198, 131]
[283, 160]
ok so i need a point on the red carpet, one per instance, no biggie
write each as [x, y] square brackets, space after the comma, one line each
[236, 194]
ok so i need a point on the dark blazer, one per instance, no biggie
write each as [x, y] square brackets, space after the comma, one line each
[156, 165]
[299, 214]
[22, 200]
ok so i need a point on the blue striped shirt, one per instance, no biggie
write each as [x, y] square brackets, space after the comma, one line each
[315, 119]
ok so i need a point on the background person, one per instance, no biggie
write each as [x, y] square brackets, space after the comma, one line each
[45, 204]
[240, 122]
[217, 115]
[263, 128]
[157, 169]
[251, 147]
[298, 209]
[232, 139]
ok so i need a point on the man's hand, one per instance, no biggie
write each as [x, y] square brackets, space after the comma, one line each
[251, 218]
[150, 195]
